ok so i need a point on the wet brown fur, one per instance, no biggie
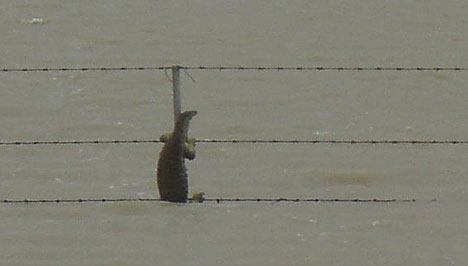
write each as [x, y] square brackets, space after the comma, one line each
[171, 171]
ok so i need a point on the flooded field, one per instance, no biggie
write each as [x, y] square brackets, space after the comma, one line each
[322, 105]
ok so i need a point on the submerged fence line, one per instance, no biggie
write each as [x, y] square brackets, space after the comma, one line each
[234, 141]
[232, 68]
[217, 200]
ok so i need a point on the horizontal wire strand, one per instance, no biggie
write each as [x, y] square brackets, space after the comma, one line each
[217, 200]
[239, 68]
[322, 68]
[82, 69]
[234, 141]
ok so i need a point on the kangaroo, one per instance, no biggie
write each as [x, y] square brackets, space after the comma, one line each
[171, 171]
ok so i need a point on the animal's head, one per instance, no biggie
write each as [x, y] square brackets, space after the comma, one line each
[182, 124]
[187, 115]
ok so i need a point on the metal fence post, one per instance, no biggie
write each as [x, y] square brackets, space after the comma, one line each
[176, 91]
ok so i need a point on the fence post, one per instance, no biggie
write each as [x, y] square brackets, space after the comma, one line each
[176, 91]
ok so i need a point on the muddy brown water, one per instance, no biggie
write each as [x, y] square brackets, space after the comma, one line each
[235, 105]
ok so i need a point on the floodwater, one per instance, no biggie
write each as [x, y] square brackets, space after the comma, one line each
[328, 105]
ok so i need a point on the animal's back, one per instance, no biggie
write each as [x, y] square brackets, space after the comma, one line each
[172, 175]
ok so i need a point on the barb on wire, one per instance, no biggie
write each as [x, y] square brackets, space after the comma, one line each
[240, 68]
[217, 200]
[234, 141]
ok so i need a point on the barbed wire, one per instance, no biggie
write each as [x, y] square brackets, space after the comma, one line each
[234, 141]
[75, 142]
[82, 69]
[273, 141]
[234, 68]
[217, 200]
[322, 68]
